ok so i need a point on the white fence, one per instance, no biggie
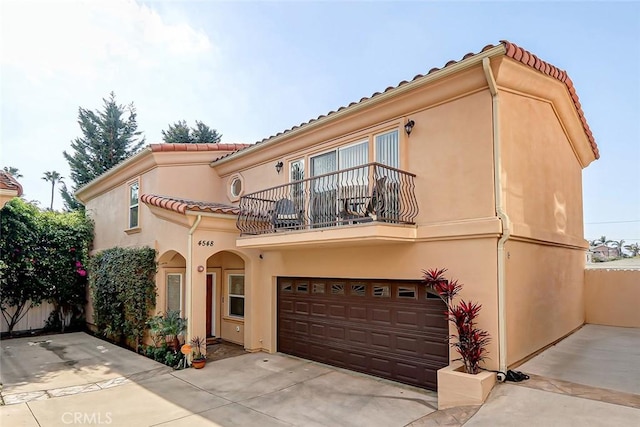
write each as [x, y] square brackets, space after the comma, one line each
[35, 318]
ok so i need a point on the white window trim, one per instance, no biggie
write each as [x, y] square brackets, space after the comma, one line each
[230, 195]
[230, 295]
[133, 205]
[166, 305]
[293, 162]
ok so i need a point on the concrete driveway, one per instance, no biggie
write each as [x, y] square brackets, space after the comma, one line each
[76, 379]
[591, 378]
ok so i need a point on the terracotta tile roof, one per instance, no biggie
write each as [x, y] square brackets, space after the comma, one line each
[512, 50]
[196, 147]
[8, 182]
[182, 205]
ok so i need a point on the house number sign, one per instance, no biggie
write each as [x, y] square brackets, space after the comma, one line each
[205, 242]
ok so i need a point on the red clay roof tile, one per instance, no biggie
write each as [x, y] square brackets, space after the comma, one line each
[8, 182]
[196, 147]
[511, 50]
[180, 205]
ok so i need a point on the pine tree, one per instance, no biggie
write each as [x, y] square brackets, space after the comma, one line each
[203, 134]
[180, 132]
[107, 139]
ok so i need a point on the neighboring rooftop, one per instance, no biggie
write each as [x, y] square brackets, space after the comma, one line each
[9, 183]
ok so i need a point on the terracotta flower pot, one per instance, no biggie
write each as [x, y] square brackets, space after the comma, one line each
[198, 363]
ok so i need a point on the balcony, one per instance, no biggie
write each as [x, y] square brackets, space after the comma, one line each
[371, 194]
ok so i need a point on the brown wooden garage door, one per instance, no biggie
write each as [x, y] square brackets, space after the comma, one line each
[391, 329]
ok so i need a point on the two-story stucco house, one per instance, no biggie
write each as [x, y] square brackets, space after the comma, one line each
[312, 242]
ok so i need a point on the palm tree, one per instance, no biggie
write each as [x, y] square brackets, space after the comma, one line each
[14, 172]
[53, 177]
[634, 249]
[619, 245]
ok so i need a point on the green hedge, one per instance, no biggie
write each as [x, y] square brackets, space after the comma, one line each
[123, 288]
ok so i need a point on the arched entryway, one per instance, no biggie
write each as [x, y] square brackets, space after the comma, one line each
[225, 297]
[170, 282]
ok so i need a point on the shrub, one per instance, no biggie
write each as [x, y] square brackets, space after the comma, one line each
[470, 342]
[123, 287]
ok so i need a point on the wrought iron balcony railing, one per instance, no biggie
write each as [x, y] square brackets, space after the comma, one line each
[368, 193]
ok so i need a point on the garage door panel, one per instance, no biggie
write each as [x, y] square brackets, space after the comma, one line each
[336, 332]
[381, 340]
[318, 330]
[406, 318]
[409, 344]
[381, 315]
[337, 311]
[358, 336]
[358, 313]
[301, 307]
[319, 309]
[389, 329]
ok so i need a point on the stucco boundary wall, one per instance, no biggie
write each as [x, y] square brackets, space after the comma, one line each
[612, 297]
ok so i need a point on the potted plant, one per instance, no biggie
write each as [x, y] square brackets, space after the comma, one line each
[464, 384]
[172, 327]
[199, 347]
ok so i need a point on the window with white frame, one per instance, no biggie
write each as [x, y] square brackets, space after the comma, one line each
[387, 149]
[133, 204]
[296, 173]
[174, 292]
[236, 295]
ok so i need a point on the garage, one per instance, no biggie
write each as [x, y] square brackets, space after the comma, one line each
[390, 329]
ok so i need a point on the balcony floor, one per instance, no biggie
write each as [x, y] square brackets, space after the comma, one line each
[352, 235]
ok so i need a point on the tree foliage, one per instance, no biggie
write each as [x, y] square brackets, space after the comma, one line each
[20, 284]
[180, 132]
[14, 172]
[122, 282]
[65, 240]
[54, 178]
[42, 256]
[108, 137]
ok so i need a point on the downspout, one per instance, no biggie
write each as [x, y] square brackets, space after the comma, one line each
[502, 215]
[187, 296]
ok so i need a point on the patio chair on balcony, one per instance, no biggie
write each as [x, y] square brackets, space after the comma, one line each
[285, 215]
[376, 208]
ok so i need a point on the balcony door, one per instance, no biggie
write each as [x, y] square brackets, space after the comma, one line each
[326, 188]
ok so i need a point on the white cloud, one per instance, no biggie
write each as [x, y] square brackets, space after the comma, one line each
[59, 55]
[83, 38]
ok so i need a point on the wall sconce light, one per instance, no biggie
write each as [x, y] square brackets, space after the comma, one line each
[408, 127]
[200, 269]
[279, 167]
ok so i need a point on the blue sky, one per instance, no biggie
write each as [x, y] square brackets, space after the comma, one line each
[252, 69]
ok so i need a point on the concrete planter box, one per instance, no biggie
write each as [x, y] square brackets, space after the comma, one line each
[457, 388]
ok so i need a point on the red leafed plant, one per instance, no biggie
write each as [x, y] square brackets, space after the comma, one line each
[470, 342]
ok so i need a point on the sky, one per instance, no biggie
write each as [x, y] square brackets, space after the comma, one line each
[253, 69]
